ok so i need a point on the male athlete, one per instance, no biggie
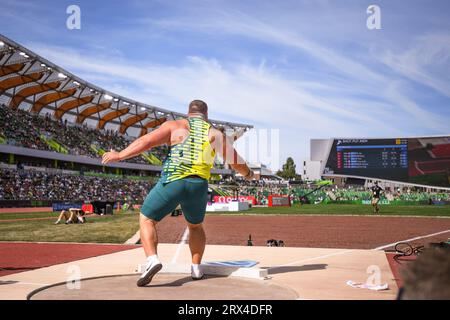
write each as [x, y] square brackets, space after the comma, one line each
[184, 180]
[376, 192]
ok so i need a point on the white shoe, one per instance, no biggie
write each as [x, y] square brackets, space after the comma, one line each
[152, 267]
[196, 273]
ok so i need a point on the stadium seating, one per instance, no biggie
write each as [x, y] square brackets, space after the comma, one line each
[433, 166]
[351, 194]
[2, 139]
[441, 150]
[37, 185]
[339, 195]
[221, 191]
[21, 128]
[48, 184]
[52, 143]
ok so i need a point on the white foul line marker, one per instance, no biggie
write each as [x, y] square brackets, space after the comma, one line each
[183, 241]
[412, 239]
[253, 273]
[173, 267]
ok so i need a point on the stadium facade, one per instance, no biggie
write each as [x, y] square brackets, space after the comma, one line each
[413, 161]
[30, 83]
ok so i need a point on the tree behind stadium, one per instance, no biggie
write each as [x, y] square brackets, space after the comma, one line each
[288, 171]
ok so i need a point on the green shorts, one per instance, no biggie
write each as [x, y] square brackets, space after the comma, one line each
[190, 193]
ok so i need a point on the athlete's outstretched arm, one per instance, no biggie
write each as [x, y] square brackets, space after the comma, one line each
[153, 139]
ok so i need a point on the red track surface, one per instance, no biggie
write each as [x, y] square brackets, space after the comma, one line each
[43, 218]
[25, 210]
[28, 219]
[352, 232]
[398, 265]
[18, 257]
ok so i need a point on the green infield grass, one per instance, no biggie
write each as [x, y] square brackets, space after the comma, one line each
[353, 209]
[116, 228]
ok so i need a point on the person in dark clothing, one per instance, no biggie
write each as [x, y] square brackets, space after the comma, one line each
[20, 165]
[376, 193]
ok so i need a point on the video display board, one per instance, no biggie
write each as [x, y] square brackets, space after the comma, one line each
[415, 160]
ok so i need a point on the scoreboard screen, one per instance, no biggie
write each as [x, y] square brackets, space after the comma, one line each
[424, 161]
[383, 158]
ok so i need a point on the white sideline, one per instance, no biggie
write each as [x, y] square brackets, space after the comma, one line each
[313, 258]
[135, 238]
[412, 239]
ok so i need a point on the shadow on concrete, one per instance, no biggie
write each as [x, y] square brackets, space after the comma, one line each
[7, 282]
[182, 281]
[286, 269]
[20, 268]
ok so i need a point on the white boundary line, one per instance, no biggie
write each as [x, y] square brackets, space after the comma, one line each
[314, 258]
[183, 241]
[412, 239]
[134, 238]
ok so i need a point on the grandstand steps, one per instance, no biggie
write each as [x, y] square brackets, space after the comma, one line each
[331, 195]
[151, 158]
[53, 144]
[220, 191]
[98, 151]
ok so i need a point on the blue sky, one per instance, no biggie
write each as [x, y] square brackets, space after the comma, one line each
[311, 69]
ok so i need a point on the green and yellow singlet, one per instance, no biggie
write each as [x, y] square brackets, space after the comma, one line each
[194, 156]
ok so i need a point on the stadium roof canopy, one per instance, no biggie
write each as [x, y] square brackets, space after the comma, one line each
[29, 81]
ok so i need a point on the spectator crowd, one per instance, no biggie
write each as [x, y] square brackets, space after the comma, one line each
[38, 185]
[330, 193]
[22, 128]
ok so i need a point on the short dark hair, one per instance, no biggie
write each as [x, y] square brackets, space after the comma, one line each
[428, 277]
[198, 106]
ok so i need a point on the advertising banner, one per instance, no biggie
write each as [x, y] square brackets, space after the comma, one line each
[59, 206]
[279, 201]
[227, 199]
